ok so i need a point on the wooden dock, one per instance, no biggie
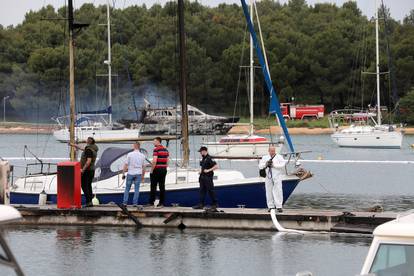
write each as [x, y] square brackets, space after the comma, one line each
[226, 218]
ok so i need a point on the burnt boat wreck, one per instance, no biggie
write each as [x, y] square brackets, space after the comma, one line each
[166, 121]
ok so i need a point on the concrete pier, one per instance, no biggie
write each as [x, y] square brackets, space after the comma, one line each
[227, 218]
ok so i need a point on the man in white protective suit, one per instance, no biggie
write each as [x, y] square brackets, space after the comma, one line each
[274, 165]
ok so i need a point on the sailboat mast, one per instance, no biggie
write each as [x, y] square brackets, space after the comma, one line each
[377, 63]
[183, 88]
[71, 82]
[251, 82]
[109, 63]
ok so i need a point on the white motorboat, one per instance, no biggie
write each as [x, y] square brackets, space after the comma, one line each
[373, 134]
[392, 250]
[8, 214]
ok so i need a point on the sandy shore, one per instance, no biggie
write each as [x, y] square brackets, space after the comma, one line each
[26, 129]
[47, 129]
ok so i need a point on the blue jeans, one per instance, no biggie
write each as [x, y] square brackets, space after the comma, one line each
[136, 179]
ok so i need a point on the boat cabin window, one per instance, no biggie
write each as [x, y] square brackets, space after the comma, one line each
[393, 259]
[181, 178]
[166, 113]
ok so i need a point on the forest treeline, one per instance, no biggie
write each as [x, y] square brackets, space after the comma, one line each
[316, 55]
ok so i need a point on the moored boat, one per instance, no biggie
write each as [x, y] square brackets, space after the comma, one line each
[97, 124]
[242, 146]
[182, 186]
[392, 249]
[370, 133]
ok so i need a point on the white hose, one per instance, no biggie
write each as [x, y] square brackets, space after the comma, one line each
[280, 228]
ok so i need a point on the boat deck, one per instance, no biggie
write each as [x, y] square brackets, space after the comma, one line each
[226, 218]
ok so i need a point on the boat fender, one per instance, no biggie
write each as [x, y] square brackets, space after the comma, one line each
[95, 201]
[42, 198]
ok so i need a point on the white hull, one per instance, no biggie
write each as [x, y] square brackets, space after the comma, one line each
[241, 150]
[100, 135]
[175, 179]
[180, 179]
[368, 137]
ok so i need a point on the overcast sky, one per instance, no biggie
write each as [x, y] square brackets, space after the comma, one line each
[12, 12]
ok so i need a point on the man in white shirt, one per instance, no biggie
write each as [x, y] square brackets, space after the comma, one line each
[135, 166]
[274, 165]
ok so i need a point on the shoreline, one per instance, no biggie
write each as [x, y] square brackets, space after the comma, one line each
[48, 129]
[296, 130]
[22, 128]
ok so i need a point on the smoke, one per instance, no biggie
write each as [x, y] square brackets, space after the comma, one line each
[156, 95]
[32, 100]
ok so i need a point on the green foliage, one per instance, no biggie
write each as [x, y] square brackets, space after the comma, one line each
[407, 107]
[314, 54]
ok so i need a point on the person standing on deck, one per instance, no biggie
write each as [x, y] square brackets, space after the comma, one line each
[274, 164]
[158, 172]
[135, 166]
[88, 158]
[208, 165]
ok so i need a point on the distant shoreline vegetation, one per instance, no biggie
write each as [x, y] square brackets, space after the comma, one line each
[316, 56]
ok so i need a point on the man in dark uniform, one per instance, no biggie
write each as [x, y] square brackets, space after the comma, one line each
[88, 158]
[208, 165]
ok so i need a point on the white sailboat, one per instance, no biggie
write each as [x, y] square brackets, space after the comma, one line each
[98, 124]
[247, 145]
[371, 134]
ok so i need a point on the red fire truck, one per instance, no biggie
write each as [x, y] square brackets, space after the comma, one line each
[301, 112]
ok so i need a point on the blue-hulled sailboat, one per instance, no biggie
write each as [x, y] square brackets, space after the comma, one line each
[182, 187]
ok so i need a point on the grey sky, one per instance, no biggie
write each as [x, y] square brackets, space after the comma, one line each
[12, 12]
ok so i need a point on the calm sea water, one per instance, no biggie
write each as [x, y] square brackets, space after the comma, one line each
[126, 251]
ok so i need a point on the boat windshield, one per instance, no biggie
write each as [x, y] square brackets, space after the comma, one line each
[393, 260]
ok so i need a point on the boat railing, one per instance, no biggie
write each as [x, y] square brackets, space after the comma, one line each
[293, 158]
[41, 169]
[349, 116]
[94, 118]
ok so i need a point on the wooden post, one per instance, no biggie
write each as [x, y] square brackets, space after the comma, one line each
[71, 82]
[183, 86]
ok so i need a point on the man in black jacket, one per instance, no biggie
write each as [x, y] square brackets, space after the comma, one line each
[208, 165]
[88, 158]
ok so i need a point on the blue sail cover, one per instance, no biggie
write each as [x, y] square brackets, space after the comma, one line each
[109, 156]
[274, 105]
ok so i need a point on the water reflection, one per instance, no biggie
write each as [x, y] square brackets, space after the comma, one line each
[152, 251]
